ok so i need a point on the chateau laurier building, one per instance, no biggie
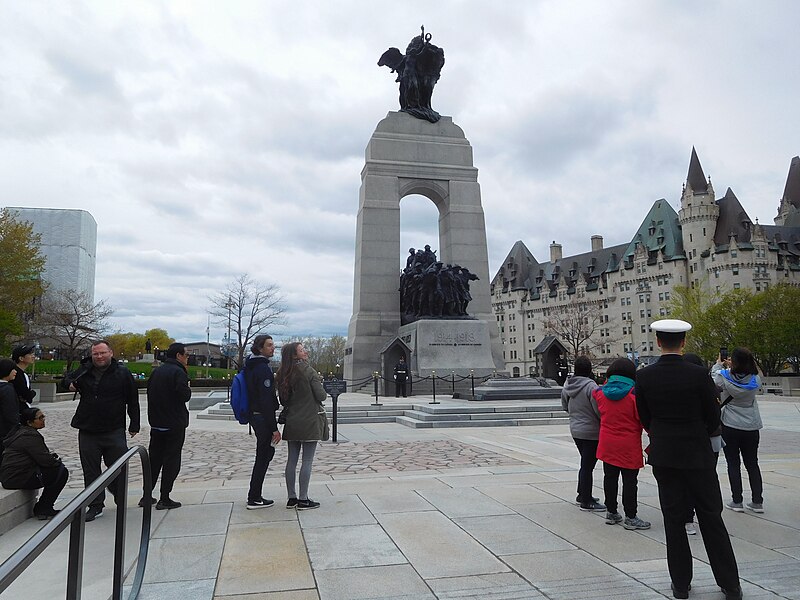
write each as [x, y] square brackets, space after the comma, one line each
[621, 289]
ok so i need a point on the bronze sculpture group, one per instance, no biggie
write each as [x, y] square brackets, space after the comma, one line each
[431, 290]
[418, 71]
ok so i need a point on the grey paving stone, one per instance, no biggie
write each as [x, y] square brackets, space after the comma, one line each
[501, 586]
[609, 587]
[550, 566]
[293, 595]
[337, 511]
[372, 583]
[400, 501]
[351, 546]
[464, 502]
[512, 534]
[516, 495]
[264, 557]
[428, 540]
[202, 589]
[276, 512]
[184, 558]
[195, 519]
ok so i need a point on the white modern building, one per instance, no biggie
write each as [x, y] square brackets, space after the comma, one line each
[69, 245]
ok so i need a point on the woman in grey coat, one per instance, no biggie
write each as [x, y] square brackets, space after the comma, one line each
[741, 421]
[302, 396]
[584, 425]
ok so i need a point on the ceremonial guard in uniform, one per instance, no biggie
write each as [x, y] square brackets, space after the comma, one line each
[677, 404]
[400, 377]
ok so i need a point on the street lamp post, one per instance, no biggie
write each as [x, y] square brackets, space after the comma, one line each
[229, 306]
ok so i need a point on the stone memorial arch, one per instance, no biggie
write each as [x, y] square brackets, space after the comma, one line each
[408, 156]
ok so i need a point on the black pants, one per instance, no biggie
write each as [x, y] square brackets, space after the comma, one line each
[675, 489]
[165, 457]
[399, 388]
[108, 446]
[630, 488]
[739, 441]
[264, 453]
[51, 479]
[588, 452]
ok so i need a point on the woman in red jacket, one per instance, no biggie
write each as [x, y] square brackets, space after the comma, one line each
[620, 443]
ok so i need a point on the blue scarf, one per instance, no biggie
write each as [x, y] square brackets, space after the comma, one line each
[734, 379]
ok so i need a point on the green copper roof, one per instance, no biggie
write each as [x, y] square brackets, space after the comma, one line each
[660, 231]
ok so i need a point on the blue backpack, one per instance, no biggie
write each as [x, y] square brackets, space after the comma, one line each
[239, 400]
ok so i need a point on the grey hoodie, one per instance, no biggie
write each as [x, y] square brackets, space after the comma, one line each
[742, 410]
[576, 399]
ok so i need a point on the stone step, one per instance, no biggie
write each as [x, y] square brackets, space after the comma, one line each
[16, 506]
[416, 424]
[465, 416]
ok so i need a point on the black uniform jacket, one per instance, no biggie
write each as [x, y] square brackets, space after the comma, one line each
[168, 392]
[25, 451]
[24, 391]
[677, 403]
[104, 397]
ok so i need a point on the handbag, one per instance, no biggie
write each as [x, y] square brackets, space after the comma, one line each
[325, 429]
[282, 416]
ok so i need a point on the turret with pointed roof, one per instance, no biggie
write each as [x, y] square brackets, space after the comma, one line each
[789, 208]
[699, 210]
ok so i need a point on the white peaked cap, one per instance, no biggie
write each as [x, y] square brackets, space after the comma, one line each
[671, 326]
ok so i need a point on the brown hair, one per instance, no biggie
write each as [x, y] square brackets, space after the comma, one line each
[287, 370]
[258, 343]
[742, 362]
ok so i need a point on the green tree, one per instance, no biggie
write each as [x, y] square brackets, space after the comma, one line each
[21, 268]
[691, 305]
[724, 323]
[127, 345]
[159, 338]
[771, 328]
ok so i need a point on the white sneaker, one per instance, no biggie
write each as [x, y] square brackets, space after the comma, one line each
[691, 529]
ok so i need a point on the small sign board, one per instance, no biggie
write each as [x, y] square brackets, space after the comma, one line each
[334, 387]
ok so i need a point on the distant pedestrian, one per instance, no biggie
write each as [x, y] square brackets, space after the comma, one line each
[400, 377]
[107, 390]
[584, 426]
[168, 392]
[263, 404]
[29, 464]
[741, 421]
[302, 396]
[24, 357]
[677, 404]
[620, 446]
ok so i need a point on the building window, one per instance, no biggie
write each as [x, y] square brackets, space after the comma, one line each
[735, 269]
[644, 329]
[736, 286]
[733, 253]
[666, 295]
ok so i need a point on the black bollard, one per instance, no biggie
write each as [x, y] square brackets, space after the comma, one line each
[335, 412]
[472, 378]
[433, 378]
[453, 378]
[375, 375]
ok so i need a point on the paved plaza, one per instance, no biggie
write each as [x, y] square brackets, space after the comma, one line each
[415, 514]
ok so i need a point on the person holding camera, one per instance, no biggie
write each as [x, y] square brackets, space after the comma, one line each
[738, 381]
[29, 465]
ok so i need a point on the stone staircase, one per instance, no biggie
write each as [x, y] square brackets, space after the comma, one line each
[428, 415]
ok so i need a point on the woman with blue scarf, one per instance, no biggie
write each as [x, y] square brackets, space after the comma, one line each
[740, 424]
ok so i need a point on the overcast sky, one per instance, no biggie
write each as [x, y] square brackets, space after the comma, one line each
[209, 139]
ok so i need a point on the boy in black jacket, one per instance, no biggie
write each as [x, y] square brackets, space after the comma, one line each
[168, 392]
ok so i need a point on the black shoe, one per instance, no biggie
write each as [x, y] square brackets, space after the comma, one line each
[733, 594]
[578, 500]
[259, 503]
[43, 513]
[93, 512]
[676, 593]
[593, 506]
[167, 504]
[291, 503]
[307, 504]
[145, 501]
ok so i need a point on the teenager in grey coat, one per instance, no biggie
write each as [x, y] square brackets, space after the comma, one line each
[302, 396]
[584, 425]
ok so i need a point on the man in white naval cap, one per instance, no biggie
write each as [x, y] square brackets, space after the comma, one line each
[677, 403]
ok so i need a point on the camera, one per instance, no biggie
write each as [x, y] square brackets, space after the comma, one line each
[723, 353]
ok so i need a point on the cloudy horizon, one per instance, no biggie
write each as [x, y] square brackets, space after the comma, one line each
[212, 139]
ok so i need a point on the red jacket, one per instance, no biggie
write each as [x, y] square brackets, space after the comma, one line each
[620, 442]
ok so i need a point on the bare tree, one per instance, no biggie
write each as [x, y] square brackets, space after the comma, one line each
[579, 325]
[325, 354]
[247, 308]
[72, 320]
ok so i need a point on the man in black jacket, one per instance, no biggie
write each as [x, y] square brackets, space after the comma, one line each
[107, 389]
[23, 356]
[677, 404]
[400, 377]
[168, 392]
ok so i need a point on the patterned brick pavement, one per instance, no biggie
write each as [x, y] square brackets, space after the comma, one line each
[217, 455]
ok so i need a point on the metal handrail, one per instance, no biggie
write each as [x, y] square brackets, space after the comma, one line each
[73, 515]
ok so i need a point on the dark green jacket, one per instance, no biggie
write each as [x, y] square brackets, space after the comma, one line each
[305, 418]
[24, 452]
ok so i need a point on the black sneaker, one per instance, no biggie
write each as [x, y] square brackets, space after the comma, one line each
[144, 501]
[260, 503]
[307, 504]
[93, 512]
[291, 503]
[578, 500]
[593, 506]
[679, 593]
[43, 514]
[167, 504]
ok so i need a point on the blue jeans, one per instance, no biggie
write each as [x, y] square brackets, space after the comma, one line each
[264, 453]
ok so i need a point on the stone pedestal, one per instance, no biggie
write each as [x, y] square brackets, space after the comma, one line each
[408, 156]
[148, 358]
[446, 346]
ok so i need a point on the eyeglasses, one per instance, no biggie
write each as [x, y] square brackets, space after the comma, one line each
[39, 418]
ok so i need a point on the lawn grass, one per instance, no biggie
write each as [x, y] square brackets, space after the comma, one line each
[57, 368]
